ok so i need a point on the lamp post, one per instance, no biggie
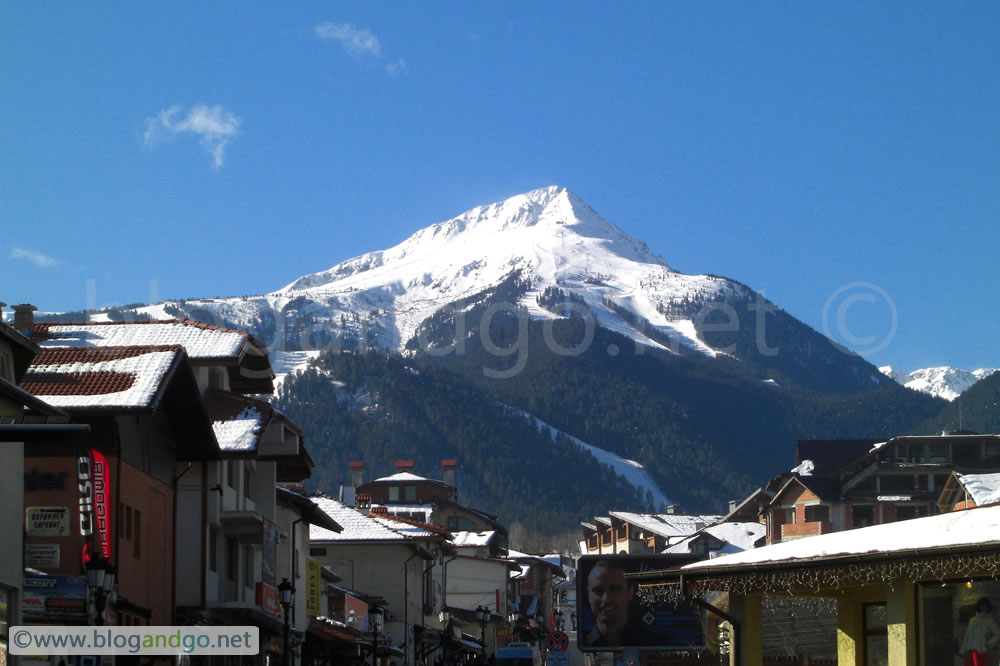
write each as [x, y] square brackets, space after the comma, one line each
[445, 618]
[286, 590]
[101, 580]
[375, 616]
[483, 615]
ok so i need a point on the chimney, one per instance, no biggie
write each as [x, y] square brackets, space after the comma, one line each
[357, 473]
[732, 505]
[347, 495]
[404, 466]
[675, 510]
[364, 503]
[2, 306]
[24, 318]
[448, 473]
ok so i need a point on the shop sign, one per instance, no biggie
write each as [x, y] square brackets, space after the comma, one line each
[54, 599]
[42, 555]
[313, 579]
[47, 521]
[86, 490]
[267, 598]
[269, 552]
[101, 478]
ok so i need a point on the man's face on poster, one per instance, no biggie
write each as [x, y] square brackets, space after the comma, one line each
[610, 596]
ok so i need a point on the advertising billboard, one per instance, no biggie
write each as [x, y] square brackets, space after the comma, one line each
[613, 617]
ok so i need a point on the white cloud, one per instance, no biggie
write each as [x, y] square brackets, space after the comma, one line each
[214, 126]
[397, 67]
[357, 42]
[36, 258]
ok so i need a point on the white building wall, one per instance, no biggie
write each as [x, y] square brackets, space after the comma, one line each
[378, 569]
[474, 582]
[190, 530]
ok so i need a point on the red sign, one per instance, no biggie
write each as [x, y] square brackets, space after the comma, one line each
[267, 598]
[557, 641]
[101, 478]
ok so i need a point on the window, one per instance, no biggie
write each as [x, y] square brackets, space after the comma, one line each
[907, 511]
[411, 493]
[247, 482]
[876, 635]
[138, 534]
[317, 552]
[232, 563]
[463, 524]
[231, 473]
[128, 523]
[5, 369]
[393, 493]
[213, 548]
[817, 513]
[863, 515]
[215, 379]
[248, 566]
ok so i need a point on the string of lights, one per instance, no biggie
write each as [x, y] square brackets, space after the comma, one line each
[817, 580]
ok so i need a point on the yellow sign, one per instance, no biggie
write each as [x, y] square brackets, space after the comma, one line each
[313, 584]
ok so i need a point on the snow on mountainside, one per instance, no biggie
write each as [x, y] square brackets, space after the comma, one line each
[943, 382]
[547, 252]
[633, 472]
[548, 235]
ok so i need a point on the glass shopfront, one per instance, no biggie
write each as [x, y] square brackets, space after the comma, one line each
[958, 623]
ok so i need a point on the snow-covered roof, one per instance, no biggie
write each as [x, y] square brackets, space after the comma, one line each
[357, 526]
[426, 510]
[472, 539]
[241, 432]
[972, 527]
[737, 537]
[403, 476]
[667, 524]
[111, 378]
[983, 488]
[406, 529]
[201, 341]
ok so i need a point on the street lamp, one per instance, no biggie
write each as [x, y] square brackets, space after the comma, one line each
[375, 616]
[445, 618]
[101, 579]
[483, 615]
[286, 590]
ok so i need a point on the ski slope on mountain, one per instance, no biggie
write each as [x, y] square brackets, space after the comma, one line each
[632, 471]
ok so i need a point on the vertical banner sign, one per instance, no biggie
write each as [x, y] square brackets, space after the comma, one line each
[269, 553]
[86, 491]
[312, 588]
[101, 478]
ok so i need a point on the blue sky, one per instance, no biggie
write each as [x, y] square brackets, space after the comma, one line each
[816, 151]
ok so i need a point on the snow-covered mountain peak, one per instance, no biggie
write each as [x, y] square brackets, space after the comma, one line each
[524, 231]
[942, 382]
